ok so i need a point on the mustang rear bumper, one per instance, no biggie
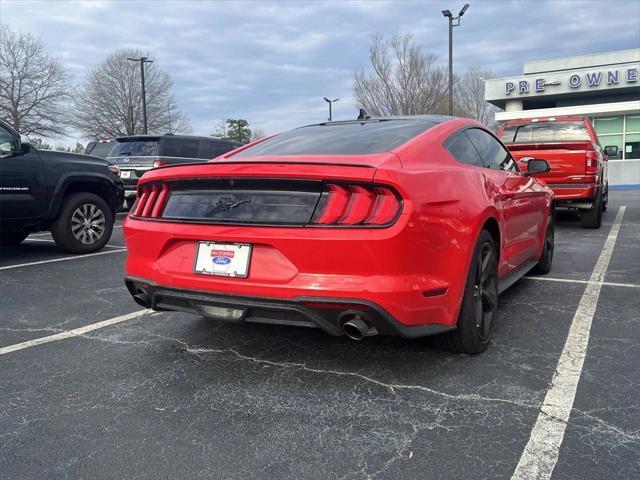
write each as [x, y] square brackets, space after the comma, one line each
[322, 312]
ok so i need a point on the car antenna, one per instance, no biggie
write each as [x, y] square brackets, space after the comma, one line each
[363, 115]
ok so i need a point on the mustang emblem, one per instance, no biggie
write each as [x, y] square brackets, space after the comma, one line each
[226, 204]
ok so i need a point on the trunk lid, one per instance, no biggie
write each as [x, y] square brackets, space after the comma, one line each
[249, 193]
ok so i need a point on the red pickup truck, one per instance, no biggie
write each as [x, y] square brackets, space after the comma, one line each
[578, 173]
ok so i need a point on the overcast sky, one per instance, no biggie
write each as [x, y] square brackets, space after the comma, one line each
[272, 62]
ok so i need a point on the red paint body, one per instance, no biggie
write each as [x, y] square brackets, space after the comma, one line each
[578, 168]
[414, 269]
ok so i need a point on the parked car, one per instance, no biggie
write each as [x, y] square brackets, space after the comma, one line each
[74, 196]
[578, 173]
[137, 154]
[100, 148]
[405, 226]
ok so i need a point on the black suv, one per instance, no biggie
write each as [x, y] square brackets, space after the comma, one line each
[134, 155]
[74, 196]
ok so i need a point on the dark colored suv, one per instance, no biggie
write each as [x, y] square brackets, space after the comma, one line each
[137, 154]
[74, 196]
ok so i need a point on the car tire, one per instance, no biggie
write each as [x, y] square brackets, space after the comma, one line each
[12, 237]
[84, 224]
[605, 198]
[592, 218]
[546, 258]
[128, 202]
[479, 302]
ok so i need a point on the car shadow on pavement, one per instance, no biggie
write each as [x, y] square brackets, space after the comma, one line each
[30, 251]
[521, 357]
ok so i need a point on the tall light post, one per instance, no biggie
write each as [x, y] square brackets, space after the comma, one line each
[330, 102]
[453, 22]
[142, 61]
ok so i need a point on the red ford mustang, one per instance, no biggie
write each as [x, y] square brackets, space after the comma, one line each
[405, 226]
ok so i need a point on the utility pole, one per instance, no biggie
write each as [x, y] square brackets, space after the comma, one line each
[142, 61]
[330, 102]
[453, 22]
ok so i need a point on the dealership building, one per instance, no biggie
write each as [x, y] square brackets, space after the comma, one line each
[604, 87]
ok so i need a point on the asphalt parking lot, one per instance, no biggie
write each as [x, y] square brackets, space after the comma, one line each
[169, 395]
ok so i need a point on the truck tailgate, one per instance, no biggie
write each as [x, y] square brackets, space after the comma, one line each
[567, 159]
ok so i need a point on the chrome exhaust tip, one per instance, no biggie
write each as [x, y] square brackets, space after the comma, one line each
[141, 297]
[356, 327]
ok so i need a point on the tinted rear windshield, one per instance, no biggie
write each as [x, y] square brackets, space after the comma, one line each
[352, 138]
[101, 150]
[546, 132]
[135, 148]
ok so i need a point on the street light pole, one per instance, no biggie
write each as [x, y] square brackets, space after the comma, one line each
[142, 61]
[330, 102]
[453, 22]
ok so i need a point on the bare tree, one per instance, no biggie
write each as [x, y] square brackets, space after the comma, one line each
[469, 97]
[34, 86]
[404, 80]
[109, 103]
[220, 129]
[257, 134]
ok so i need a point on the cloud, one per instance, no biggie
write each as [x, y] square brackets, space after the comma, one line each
[272, 62]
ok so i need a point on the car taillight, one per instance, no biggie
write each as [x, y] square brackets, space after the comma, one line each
[114, 169]
[591, 163]
[159, 163]
[355, 204]
[151, 201]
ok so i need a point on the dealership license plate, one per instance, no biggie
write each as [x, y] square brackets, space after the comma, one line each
[125, 174]
[223, 259]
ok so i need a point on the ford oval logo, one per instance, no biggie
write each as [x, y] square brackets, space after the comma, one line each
[221, 260]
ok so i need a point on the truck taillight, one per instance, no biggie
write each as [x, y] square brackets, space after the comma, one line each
[357, 205]
[591, 163]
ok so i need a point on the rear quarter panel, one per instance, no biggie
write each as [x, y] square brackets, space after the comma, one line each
[450, 204]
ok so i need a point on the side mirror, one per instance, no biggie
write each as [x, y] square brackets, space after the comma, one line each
[611, 151]
[536, 165]
[10, 147]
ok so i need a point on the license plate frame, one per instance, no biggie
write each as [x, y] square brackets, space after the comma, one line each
[238, 255]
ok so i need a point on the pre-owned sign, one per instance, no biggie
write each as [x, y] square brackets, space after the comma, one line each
[594, 79]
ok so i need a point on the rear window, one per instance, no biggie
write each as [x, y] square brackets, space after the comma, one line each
[546, 132]
[352, 138]
[135, 148]
[101, 150]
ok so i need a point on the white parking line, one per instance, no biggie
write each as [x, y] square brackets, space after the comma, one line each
[541, 452]
[73, 333]
[570, 280]
[63, 259]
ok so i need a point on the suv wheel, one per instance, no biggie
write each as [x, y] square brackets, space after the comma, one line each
[12, 237]
[84, 225]
[605, 198]
[593, 218]
[479, 302]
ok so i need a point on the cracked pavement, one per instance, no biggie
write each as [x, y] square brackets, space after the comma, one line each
[170, 395]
